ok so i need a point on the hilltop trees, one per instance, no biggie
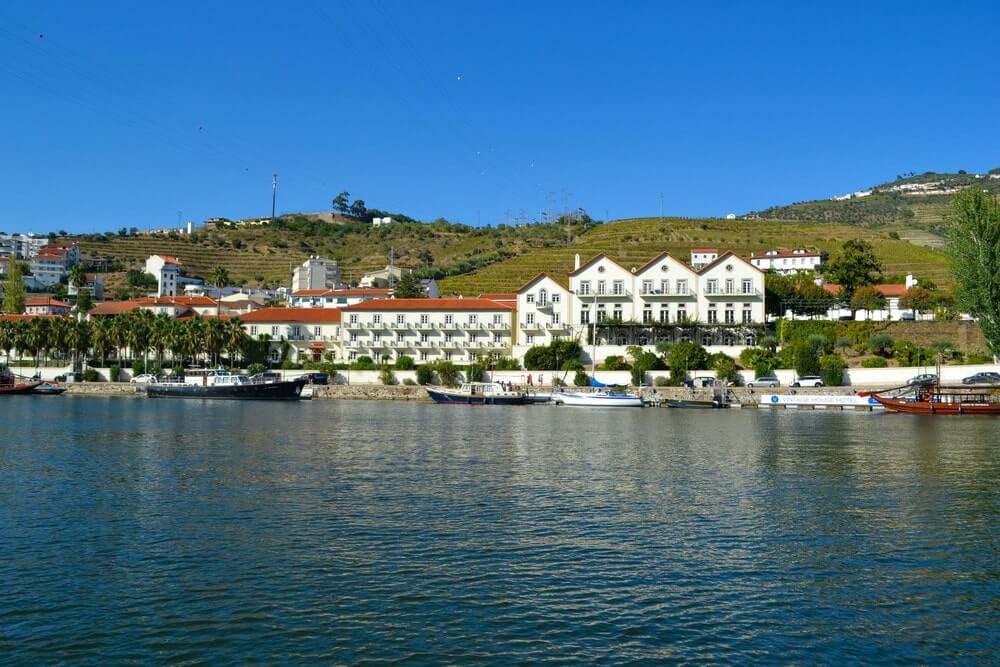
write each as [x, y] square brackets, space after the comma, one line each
[341, 203]
[409, 287]
[975, 258]
[855, 266]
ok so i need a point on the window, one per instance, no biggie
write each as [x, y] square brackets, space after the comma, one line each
[377, 336]
[712, 287]
[472, 337]
[423, 355]
[747, 316]
[473, 320]
[602, 286]
[618, 313]
[472, 356]
[556, 298]
[274, 331]
[423, 338]
[555, 318]
[376, 319]
[730, 316]
[353, 319]
[400, 318]
[530, 339]
[543, 297]
[529, 298]
[713, 316]
[585, 316]
[354, 338]
[497, 339]
[647, 315]
[664, 314]
[253, 330]
[274, 355]
[449, 319]
[601, 315]
[296, 331]
[584, 287]
[318, 332]
[352, 356]
[681, 313]
[730, 286]
[747, 286]
[377, 356]
[647, 286]
[664, 287]
[682, 286]
[618, 287]
[425, 318]
[448, 338]
[529, 318]
[447, 356]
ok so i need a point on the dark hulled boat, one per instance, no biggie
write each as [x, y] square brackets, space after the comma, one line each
[478, 393]
[692, 403]
[223, 385]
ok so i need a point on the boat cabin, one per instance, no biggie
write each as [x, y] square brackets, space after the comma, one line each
[214, 377]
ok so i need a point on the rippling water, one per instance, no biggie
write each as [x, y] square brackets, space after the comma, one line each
[136, 530]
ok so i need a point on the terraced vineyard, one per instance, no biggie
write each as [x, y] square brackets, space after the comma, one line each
[633, 242]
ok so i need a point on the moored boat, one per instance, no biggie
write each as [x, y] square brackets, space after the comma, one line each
[692, 403]
[48, 389]
[598, 399]
[478, 393]
[222, 384]
[933, 399]
[11, 386]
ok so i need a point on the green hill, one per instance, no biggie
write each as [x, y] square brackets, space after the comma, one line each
[633, 242]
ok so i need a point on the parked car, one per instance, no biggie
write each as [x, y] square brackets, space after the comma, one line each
[145, 378]
[924, 378]
[317, 377]
[700, 381]
[907, 317]
[765, 381]
[69, 377]
[986, 377]
[265, 377]
[809, 381]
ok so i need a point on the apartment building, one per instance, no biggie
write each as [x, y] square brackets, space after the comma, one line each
[313, 334]
[52, 263]
[316, 273]
[21, 246]
[428, 330]
[335, 298]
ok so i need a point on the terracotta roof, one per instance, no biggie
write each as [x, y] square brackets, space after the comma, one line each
[171, 260]
[724, 256]
[594, 259]
[427, 305]
[499, 296]
[21, 318]
[317, 315]
[208, 316]
[359, 291]
[885, 290]
[197, 300]
[45, 301]
[704, 250]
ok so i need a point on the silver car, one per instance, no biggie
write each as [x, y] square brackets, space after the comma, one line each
[765, 381]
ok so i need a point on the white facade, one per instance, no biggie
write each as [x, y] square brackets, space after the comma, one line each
[703, 256]
[731, 291]
[428, 330]
[378, 222]
[312, 335]
[316, 273]
[21, 246]
[52, 263]
[786, 262]
[329, 298]
[543, 312]
[166, 270]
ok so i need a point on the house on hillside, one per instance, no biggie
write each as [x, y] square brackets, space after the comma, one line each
[892, 292]
[317, 273]
[93, 282]
[785, 261]
[166, 270]
[52, 263]
[45, 305]
[335, 298]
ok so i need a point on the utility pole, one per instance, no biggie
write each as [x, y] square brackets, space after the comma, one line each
[274, 194]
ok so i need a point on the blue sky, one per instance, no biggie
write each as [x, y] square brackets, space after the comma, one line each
[125, 114]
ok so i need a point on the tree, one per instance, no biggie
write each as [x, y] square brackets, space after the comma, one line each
[13, 290]
[83, 301]
[881, 344]
[686, 357]
[833, 366]
[220, 277]
[867, 299]
[806, 359]
[341, 203]
[917, 298]
[855, 266]
[426, 257]
[409, 287]
[77, 276]
[358, 208]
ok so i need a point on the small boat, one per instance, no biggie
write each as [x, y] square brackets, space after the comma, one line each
[540, 396]
[692, 403]
[598, 399]
[478, 393]
[219, 383]
[933, 399]
[48, 389]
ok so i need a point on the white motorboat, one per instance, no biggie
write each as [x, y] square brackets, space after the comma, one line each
[597, 399]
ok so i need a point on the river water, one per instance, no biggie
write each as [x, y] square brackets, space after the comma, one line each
[188, 531]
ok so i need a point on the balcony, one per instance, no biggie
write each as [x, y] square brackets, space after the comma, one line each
[666, 294]
[450, 326]
[423, 326]
[534, 326]
[732, 294]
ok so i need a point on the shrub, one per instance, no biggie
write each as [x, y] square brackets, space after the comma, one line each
[725, 369]
[90, 375]
[581, 379]
[818, 342]
[557, 382]
[661, 381]
[425, 374]
[908, 354]
[116, 373]
[138, 368]
[832, 366]
[806, 359]
[409, 382]
[405, 363]
[253, 369]
[385, 375]
[474, 372]
[844, 343]
[447, 372]
[572, 365]
[874, 362]
[762, 361]
[977, 358]
[363, 363]
[551, 357]
[687, 356]
[507, 364]
[881, 344]
[616, 363]
[288, 364]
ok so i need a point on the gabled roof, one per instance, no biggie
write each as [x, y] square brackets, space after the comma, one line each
[499, 296]
[194, 300]
[703, 250]
[593, 260]
[294, 315]
[660, 257]
[784, 252]
[45, 301]
[380, 305]
[170, 260]
[721, 258]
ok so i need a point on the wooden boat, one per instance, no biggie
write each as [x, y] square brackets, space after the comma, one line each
[477, 393]
[11, 386]
[223, 385]
[933, 399]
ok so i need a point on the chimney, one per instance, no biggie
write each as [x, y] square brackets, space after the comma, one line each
[576, 262]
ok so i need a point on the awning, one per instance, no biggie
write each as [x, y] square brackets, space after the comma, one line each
[317, 346]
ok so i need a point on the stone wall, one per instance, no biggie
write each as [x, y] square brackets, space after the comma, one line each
[965, 334]
[372, 392]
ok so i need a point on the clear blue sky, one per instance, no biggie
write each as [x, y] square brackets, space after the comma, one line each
[125, 113]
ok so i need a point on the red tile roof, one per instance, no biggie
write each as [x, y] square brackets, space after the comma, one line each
[427, 305]
[115, 307]
[312, 315]
[499, 296]
[197, 300]
[359, 291]
[45, 301]
[702, 250]
[171, 260]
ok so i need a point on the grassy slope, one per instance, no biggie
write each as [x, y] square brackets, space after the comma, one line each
[633, 242]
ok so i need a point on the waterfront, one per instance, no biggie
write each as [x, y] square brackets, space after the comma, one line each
[341, 531]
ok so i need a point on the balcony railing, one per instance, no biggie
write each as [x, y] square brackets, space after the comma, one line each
[666, 293]
[733, 292]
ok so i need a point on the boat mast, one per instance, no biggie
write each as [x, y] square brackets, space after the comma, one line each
[593, 344]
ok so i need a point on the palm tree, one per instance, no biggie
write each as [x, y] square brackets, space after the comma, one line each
[118, 334]
[236, 338]
[7, 337]
[159, 335]
[37, 337]
[77, 277]
[78, 339]
[192, 336]
[102, 337]
[214, 338]
[140, 324]
[58, 338]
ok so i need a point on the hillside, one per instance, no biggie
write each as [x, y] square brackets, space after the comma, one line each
[633, 242]
[913, 206]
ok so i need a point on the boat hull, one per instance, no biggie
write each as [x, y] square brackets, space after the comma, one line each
[938, 408]
[685, 403]
[595, 400]
[18, 389]
[460, 398]
[274, 391]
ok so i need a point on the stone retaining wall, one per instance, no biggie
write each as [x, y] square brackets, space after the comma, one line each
[124, 389]
[372, 392]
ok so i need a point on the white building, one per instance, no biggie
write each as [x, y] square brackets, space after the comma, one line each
[382, 277]
[378, 222]
[543, 311]
[52, 263]
[459, 330]
[317, 273]
[785, 261]
[892, 292]
[21, 246]
[313, 334]
[166, 270]
[93, 282]
[335, 298]
[702, 256]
